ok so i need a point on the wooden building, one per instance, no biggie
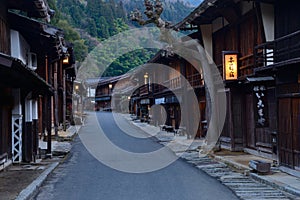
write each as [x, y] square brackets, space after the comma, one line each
[169, 90]
[32, 78]
[91, 86]
[104, 92]
[263, 93]
[279, 57]
[118, 94]
[255, 45]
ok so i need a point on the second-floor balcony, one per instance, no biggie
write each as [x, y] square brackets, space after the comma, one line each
[174, 83]
[171, 84]
[195, 80]
[144, 89]
[281, 51]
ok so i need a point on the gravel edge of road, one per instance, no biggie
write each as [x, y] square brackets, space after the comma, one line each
[31, 189]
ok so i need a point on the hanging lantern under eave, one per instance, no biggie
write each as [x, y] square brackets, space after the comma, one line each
[230, 65]
[66, 60]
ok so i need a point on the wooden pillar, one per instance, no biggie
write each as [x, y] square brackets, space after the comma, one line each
[64, 100]
[45, 116]
[28, 142]
[55, 100]
[184, 113]
[47, 104]
[61, 93]
[48, 124]
[35, 128]
[40, 116]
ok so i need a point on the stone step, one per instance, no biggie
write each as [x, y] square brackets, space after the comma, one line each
[211, 165]
[260, 194]
[271, 198]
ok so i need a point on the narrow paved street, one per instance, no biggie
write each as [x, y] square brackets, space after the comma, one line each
[81, 176]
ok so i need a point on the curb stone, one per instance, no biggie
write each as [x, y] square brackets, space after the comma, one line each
[256, 177]
[282, 187]
[31, 189]
[230, 163]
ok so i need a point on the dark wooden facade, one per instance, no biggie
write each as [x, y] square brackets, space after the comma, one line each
[164, 95]
[31, 73]
[235, 26]
[263, 104]
[280, 58]
[266, 36]
[104, 92]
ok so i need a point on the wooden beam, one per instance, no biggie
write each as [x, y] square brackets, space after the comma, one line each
[64, 100]
[231, 13]
[55, 99]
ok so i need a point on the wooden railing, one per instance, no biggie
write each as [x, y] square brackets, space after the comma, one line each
[171, 84]
[283, 49]
[103, 92]
[4, 37]
[144, 89]
[174, 83]
[246, 65]
[100, 94]
[264, 54]
[195, 80]
[158, 88]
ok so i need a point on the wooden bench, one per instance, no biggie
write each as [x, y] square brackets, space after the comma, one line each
[260, 166]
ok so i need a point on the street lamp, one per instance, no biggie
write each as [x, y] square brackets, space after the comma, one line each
[66, 60]
[146, 76]
[129, 104]
[109, 88]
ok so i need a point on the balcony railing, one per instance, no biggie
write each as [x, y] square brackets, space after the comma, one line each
[103, 92]
[195, 80]
[246, 65]
[100, 94]
[158, 88]
[171, 84]
[281, 50]
[144, 89]
[264, 54]
[174, 83]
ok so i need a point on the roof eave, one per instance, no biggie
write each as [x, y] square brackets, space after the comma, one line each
[33, 8]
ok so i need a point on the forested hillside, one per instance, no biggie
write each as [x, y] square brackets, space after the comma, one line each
[88, 22]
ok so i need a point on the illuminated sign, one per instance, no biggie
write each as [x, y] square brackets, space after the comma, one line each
[66, 60]
[230, 66]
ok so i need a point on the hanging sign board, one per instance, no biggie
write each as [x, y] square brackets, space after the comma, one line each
[230, 65]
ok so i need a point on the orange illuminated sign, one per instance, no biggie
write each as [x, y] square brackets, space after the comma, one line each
[66, 60]
[230, 66]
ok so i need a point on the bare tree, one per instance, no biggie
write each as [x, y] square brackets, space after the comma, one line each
[153, 13]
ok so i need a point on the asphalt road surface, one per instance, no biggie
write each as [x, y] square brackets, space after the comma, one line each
[82, 176]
